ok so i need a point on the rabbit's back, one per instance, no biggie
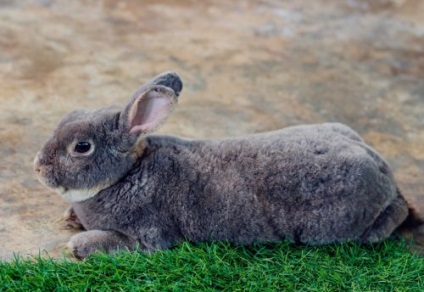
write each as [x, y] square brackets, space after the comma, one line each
[313, 184]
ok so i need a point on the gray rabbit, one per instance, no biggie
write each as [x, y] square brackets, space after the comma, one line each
[310, 184]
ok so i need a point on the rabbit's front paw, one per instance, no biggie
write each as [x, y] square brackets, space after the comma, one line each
[71, 219]
[85, 243]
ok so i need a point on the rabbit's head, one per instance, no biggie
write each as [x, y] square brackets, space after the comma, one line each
[92, 149]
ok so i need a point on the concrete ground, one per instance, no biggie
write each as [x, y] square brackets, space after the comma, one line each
[248, 66]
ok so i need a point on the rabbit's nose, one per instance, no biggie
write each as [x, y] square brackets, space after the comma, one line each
[37, 165]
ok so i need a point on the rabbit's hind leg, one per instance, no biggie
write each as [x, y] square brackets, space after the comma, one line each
[387, 221]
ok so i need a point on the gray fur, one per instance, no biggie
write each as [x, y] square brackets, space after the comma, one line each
[310, 184]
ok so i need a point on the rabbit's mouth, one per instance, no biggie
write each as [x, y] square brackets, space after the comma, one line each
[44, 173]
[46, 181]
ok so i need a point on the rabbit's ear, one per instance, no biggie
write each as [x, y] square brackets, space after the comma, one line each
[149, 109]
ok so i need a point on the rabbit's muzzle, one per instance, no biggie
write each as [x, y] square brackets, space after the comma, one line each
[43, 172]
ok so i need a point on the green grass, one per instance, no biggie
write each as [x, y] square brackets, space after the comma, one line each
[386, 266]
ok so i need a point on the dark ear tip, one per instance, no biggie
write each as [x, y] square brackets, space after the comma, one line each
[175, 82]
[171, 80]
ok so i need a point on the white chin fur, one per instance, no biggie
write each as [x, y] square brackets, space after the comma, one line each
[74, 196]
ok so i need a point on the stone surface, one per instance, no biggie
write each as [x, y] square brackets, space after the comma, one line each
[248, 66]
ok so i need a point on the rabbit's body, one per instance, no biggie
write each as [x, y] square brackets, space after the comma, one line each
[311, 184]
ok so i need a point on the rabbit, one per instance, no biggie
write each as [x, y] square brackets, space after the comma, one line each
[309, 184]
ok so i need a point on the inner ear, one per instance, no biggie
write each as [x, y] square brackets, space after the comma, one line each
[150, 110]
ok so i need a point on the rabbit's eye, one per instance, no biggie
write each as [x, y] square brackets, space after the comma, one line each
[82, 147]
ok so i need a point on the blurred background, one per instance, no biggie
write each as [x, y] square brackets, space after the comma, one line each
[247, 65]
